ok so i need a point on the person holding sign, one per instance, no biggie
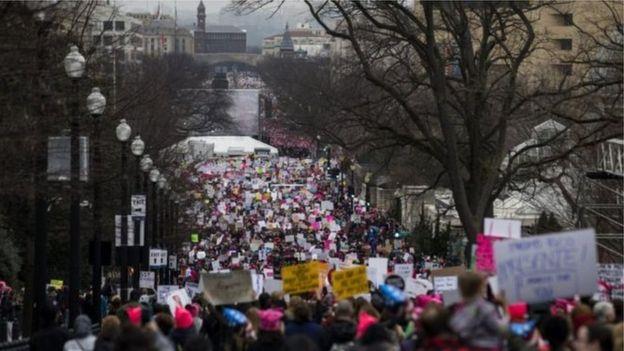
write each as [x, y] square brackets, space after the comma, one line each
[477, 322]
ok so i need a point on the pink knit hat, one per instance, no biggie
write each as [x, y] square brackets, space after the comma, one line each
[270, 319]
[183, 318]
[365, 320]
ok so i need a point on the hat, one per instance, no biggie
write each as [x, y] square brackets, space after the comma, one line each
[234, 317]
[391, 294]
[270, 319]
[517, 311]
[134, 315]
[365, 321]
[183, 318]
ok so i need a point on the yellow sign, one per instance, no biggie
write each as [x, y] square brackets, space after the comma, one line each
[56, 284]
[302, 278]
[350, 282]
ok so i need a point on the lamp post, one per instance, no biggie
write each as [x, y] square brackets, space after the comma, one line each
[154, 174]
[137, 147]
[352, 188]
[162, 203]
[123, 132]
[146, 165]
[96, 102]
[74, 67]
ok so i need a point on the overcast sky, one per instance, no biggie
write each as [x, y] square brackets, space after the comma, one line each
[258, 25]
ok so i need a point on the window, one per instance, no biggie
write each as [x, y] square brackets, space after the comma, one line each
[563, 19]
[564, 69]
[563, 44]
[120, 25]
[108, 25]
[108, 40]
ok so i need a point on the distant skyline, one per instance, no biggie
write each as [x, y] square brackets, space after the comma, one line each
[258, 25]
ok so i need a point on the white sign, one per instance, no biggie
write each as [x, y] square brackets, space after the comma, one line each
[503, 228]
[273, 285]
[163, 291]
[447, 283]
[163, 258]
[405, 270]
[327, 206]
[177, 299]
[154, 258]
[138, 205]
[173, 262]
[416, 287]
[377, 269]
[192, 289]
[147, 280]
[545, 267]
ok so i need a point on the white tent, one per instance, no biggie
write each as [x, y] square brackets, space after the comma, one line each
[214, 146]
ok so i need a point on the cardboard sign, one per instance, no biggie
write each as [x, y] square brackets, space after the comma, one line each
[194, 238]
[545, 267]
[484, 254]
[163, 291]
[404, 270]
[445, 283]
[192, 289]
[228, 288]
[177, 299]
[301, 278]
[56, 284]
[147, 280]
[416, 287]
[448, 271]
[502, 228]
[350, 282]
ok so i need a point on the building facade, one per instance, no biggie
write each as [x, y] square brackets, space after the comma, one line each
[217, 38]
[163, 37]
[305, 41]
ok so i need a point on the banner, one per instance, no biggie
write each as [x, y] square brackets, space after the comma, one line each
[350, 282]
[377, 269]
[228, 288]
[147, 280]
[545, 267]
[301, 278]
[612, 276]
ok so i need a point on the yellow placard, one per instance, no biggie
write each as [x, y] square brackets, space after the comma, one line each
[302, 278]
[56, 284]
[349, 282]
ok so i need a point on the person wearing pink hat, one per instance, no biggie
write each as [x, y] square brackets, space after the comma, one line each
[271, 331]
[184, 327]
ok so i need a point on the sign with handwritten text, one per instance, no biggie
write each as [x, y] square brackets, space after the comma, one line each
[301, 278]
[228, 288]
[545, 267]
[350, 282]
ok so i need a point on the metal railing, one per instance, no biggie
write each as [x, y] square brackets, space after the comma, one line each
[24, 344]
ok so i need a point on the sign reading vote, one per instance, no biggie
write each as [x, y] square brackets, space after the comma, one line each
[301, 278]
[228, 288]
[350, 282]
[542, 268]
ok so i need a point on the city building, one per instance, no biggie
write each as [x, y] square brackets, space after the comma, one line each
[217, 38]
[304, 40]
[162, 36]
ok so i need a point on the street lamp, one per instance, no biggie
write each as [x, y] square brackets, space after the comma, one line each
[96, 102]
[146, 165]
[123, 132]
[137, 147]
[162, 205]
[74, 64]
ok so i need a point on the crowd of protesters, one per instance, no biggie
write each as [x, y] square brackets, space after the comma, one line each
[387, 321]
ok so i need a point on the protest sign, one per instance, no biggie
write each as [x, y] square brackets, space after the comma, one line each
[289, 238]
[177, 299]
[228, 288]
[163, 291]
[445, 283]
[377, 269]
[194, 238]
[404, 270]
[349, 282]
[272, 285]
[502, 228]
[327, 206]
[192, 289]
[485, 253]
[612, 276]
[56, 283]
[416, 287]
[545, 267]
[147, 280]
[301, 278]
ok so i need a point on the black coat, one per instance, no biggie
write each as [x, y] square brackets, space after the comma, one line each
[49, 339]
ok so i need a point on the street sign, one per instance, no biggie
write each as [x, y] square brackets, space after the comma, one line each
[138, 205]
[154, 258]
[147, 279]
[173, 262]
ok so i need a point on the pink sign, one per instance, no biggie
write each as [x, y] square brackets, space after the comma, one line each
[485, 253]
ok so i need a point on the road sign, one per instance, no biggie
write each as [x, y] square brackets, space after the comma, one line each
[138, 205]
